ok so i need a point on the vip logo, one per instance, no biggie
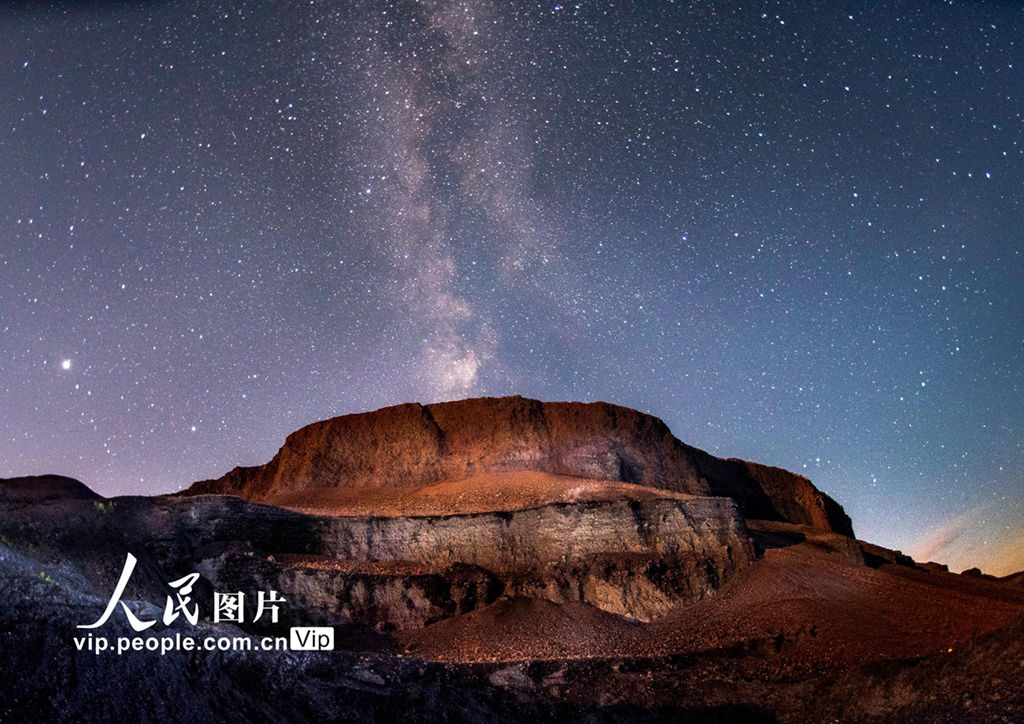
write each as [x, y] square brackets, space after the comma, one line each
[311, 638]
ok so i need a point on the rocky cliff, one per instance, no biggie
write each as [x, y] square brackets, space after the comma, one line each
[410, 446]
[637, 559]
[634, 559]
[594, 610]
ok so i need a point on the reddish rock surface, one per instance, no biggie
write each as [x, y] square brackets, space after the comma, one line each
[492, 492]
[499, 560]
[799, 610]
[505, 596]
[412, 446]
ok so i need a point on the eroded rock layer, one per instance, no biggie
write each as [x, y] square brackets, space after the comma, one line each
[634, 558]
[412, 446]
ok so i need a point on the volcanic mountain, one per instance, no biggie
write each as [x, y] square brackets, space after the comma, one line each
[498, 559]
[506, 453]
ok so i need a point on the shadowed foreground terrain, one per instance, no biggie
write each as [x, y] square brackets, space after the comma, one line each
[495, 560]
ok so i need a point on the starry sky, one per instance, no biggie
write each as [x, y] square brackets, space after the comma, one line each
[792, 231]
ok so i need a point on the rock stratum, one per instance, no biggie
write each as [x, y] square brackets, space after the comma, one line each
[497, 560]
[412, 446]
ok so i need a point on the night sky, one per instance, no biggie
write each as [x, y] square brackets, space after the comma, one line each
[792, 231]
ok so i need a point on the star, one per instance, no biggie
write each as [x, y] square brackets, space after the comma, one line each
[448, 230]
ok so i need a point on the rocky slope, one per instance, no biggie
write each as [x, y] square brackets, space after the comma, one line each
[817, 628]
[637, 559]
[411, 446]
[497, 560]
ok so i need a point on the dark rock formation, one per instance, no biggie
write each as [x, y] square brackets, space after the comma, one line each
[322, 591]
[876, 555]
[414, 445]
[509, 560]
[636, 559]
[769, 493]
[595, 610]
[38, 488]
[1014, 579]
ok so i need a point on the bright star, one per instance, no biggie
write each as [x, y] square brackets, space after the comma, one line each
[65, 364]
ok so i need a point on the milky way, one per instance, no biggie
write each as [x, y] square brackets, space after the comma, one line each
[793, 233]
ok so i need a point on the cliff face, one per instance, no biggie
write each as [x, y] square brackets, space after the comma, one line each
[769, 493]
[520, 605]
[412, 445]
[635, 559]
